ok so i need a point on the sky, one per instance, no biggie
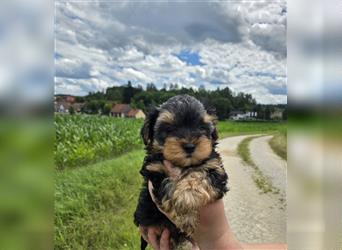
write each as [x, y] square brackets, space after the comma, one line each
[235, 44]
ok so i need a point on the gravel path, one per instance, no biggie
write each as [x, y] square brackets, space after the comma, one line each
[254, 217]
[272, 166]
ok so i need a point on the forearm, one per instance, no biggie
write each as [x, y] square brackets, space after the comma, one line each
[214, 231]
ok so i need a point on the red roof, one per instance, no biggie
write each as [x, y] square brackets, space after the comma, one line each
[121, 108]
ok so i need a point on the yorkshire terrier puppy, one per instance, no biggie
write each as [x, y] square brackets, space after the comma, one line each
[183, 132]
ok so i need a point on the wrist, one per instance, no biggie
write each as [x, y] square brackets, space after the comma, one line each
[218, 239]
[214, 231]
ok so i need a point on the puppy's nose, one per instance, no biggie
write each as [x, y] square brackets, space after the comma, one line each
[189, 147]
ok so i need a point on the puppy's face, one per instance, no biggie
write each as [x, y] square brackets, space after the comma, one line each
[183, 132]
[184, 139]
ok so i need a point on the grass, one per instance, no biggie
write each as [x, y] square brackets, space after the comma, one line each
[231, 128]
[244, 152]
[94, 205]
[278, 144]
[258, 177]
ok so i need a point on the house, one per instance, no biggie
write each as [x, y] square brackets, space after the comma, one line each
[136, 113]
[277, 114]
[63, 103]
[65, 98]
[62, 106]
[69, 98]
[240, 115]
[237, 115]
[78, 106]
[124, 110]
[120, 110]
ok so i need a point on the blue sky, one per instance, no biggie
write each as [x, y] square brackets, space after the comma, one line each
[238, 45]
[189, 57]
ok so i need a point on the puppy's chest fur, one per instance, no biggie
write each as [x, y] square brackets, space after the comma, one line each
[182, 197]
[209, 177]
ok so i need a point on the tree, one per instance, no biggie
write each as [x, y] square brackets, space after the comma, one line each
[223, 99]
[71, 110]
[285, 114]
[151, 87]
[79, 99]
[115, 94]
[128, 93]
[223, 107]
[106, 109]
[93, 107]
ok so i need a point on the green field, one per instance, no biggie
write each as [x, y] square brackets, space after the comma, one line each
[81, 140]
[94, 203]
[230, 128]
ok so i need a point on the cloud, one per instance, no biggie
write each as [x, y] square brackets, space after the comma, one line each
[242, 46]
[71, 69]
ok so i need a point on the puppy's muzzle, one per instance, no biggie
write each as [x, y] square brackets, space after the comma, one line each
[189, 148]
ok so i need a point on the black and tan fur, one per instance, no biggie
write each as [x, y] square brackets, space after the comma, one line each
[183, 132]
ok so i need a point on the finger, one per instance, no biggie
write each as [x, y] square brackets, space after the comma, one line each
[143, 232]
[152, 238]
[168, 165]
[165, 240]
[172, 171]
[195, 247]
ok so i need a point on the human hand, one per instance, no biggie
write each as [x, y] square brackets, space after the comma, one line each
[159, 240]
[213, 231]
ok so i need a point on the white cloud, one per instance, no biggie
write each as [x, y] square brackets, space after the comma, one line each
[242, 46]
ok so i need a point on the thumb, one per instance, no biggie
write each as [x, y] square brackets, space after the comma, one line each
[172, 171]
[168, 165]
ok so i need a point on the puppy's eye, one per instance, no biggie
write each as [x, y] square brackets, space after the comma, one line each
[164, 130]
[204, 128]
[168, 130]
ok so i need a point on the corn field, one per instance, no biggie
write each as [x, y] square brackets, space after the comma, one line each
[82, 139]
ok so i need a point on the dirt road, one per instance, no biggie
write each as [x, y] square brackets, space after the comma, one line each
[268, 162]
[255, 217]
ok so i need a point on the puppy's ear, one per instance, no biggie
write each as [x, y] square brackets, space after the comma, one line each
[147, 129]
[214, 134]
[211, 117]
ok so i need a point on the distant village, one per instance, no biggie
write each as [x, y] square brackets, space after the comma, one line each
[67, 104]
